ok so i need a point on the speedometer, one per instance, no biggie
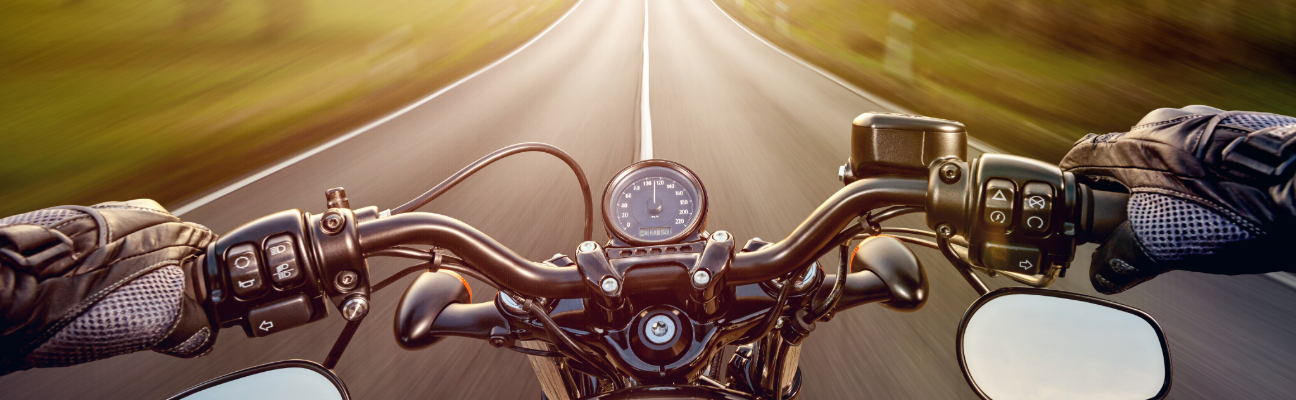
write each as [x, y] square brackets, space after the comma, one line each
[654, 202]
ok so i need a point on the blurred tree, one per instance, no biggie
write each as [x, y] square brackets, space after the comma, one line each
[282, 17]
[197, 12]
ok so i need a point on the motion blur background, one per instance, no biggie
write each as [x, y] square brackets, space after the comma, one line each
[108, 100]
[169, 99]
[163, 99]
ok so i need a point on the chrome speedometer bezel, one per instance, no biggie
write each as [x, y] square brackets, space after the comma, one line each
[693, 228]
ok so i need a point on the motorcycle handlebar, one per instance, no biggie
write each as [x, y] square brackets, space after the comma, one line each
[476, 248]
[811, 239]
[806, 243]
[1101, 213]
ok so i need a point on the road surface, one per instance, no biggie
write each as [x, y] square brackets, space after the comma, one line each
[765, 134]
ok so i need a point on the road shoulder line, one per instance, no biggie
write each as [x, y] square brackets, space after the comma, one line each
[239, 184]
[972, 142]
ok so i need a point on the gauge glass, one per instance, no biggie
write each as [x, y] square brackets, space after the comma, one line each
[654, 204]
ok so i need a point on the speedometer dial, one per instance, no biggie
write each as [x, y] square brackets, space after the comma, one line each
[654, 202]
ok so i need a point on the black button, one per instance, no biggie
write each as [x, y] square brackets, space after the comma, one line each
[245, 271]
[1037, 207]
[999, 194]
[281, 257]
[1022, 260]
[280, 315]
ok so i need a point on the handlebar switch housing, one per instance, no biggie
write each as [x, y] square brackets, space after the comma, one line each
[1015, 213]
[343, 270]
[278, 246]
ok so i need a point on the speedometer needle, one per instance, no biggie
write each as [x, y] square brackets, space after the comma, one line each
[654, 207]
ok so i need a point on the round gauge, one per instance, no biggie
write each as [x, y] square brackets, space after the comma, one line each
[654, 202]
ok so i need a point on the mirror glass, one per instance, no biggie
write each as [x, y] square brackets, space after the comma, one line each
[288, 383]
[1027, 346]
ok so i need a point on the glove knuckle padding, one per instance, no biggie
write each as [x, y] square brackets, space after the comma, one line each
[1209, 189]
[119, 288]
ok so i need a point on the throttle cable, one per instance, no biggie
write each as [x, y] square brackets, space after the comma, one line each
[497, 155]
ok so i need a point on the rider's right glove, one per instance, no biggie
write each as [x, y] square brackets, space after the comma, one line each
[1211, 191]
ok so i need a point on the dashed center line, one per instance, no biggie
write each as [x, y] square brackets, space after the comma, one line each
[645, 115]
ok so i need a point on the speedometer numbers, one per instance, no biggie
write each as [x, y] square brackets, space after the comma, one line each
[654, 202]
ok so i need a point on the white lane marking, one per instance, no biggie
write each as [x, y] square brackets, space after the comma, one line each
[222, 192]
[972, 142]
[1285, 278]
[645, 116]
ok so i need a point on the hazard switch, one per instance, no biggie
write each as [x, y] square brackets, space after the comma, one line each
[998, 209]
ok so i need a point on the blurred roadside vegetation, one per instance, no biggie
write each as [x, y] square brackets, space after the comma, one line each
[113, 100]
[1032, 76]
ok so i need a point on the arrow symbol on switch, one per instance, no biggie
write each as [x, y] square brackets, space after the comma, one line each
[266, 325]
[1025, 264]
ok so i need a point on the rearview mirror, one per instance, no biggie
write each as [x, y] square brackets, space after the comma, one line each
[1026, 343]
[282, 380]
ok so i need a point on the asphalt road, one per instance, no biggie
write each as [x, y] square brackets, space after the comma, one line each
[764, 133]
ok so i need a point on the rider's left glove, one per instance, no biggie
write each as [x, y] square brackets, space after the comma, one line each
[78, 284]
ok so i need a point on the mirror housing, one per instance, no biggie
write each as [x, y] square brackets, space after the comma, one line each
[899, 144]
[280, 380]
[1035, 343]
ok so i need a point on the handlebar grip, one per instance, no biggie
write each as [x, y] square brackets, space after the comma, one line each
[1101, 213]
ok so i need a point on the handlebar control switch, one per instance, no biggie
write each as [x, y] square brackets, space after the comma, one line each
[280, 315]
[1019, 259]
[1037, 208]
[998, 210]
[245, 271]
[281, 256]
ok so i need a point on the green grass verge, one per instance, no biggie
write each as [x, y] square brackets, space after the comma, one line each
[1012, 90]
[111, 100]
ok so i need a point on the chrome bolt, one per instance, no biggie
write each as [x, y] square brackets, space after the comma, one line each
[355, 308]
[610, 285]
[779, 323]
[588, 246]
[720, 236]
[333, 223]
[950, 173]
[347, 280]
[659, 329]
[701, 278]
[945, 230]
[842, 171]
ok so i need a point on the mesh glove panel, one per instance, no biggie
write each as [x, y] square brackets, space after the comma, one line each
[84, 283]
[1210, 190]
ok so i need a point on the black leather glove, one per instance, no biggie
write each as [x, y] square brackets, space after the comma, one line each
[1211, 191]
[78, 284]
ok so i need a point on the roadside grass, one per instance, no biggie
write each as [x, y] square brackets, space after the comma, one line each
[1012, 90]
[106, 100]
